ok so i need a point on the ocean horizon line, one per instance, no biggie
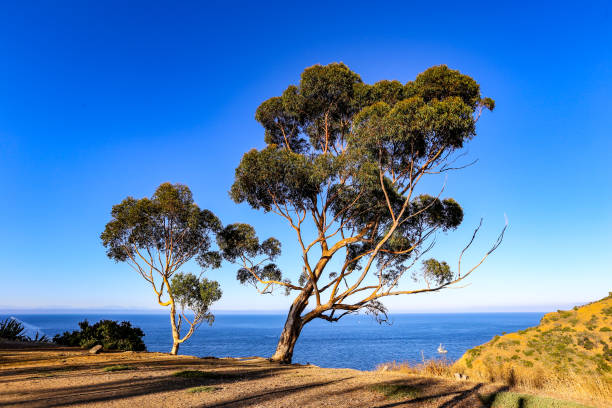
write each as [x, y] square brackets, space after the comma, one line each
[130, 310]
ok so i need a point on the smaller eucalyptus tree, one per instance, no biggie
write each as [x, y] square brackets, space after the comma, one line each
[157, 237]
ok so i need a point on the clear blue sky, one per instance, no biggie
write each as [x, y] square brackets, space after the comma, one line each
[104, 99]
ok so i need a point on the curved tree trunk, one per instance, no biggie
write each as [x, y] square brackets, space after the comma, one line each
[291, 330]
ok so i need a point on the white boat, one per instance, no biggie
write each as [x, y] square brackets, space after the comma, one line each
[442, 350]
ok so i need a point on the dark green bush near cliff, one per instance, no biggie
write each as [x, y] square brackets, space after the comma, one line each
[108, 333]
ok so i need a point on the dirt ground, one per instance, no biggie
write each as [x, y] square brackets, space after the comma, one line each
[47, 376]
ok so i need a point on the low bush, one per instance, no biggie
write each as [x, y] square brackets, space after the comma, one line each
[108, 333]
[13, 329]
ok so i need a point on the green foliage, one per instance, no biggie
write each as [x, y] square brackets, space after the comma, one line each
[114, 368]
[328, 140]
[108, 333]
[157, 236]
[515, 400]
[438, 272]
[396, 391]
[195, 294]
[150, 224]
[586, 342]
[202, 388]
[341, 166]
[12, 329]
[239, 242]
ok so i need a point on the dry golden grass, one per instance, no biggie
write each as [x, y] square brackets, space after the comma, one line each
[568, 354]
[566, 384]
[434, 368]
[593, 390]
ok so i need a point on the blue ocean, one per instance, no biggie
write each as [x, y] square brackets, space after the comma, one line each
[356, 341]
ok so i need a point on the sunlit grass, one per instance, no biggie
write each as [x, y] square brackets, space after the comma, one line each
[202, 388]
[515, 400]
[196, 374]
[116, 368]
[396, 391]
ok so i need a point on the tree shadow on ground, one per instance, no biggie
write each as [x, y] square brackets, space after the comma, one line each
[132, 387]
[57, 369]
[432, 389]
[256, 399]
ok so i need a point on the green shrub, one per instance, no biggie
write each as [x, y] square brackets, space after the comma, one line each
[605, 329]
[586, 343]
[108, 333]
[12, 329]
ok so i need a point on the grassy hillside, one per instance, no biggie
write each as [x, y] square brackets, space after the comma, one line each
[569, 352]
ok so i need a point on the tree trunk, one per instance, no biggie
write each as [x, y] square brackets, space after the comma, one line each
[292, 329]
[175, 330]
[175, 347]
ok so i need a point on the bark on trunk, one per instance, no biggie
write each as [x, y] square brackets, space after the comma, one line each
[291, 330]
[175, 330]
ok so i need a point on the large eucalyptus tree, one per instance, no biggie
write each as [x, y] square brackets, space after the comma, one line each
[157, 236]
[341, 167]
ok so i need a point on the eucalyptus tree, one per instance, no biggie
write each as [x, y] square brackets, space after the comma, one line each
[341, 167]
[157, 236]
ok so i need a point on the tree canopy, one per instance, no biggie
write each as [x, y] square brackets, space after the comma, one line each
[346, 157]
[157, 236]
